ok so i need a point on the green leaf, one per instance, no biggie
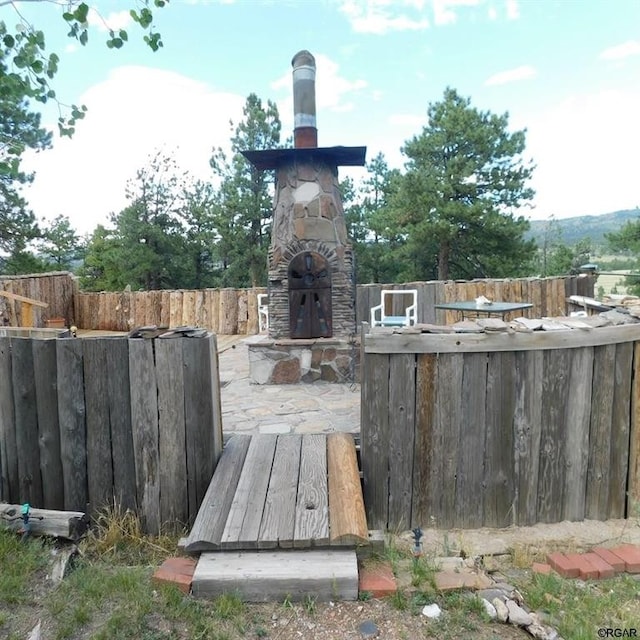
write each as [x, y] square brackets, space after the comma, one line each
[117, 43]
[37, 66]
[9, 41]
[123, 35]
[69, 17]
[134, 15]
[84, 37]
[81, 12]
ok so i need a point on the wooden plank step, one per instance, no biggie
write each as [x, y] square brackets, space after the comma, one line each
[208, 527]
[243, 524]
[347, 519]
[312, 508]
[272, 576]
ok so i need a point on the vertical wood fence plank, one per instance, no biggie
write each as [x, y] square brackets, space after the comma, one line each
[119, 389]
[423, 449]
[8, 445]
[499, 493]
[71, 416]
[600, 433]
[45, 376]
[216, 399]
[242, 312]
[96, 395]
[375, 439]
[214, 313]
[402, 403]
[470, 474]
[175, 311]
[620, 423]
[551, 477]
[447, 434]
[165, 308]
[171, 426]
[527, 426]
[188, 308]
[576, 433]
[633, 498]
[26, 417]
[228, 312]
[198, 419]
[144, 418]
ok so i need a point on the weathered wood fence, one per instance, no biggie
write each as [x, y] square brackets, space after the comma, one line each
[235, 311]
[496, 429]
[102, 420]
[57, 289]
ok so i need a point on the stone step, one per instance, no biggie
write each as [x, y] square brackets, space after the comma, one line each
[265, 576]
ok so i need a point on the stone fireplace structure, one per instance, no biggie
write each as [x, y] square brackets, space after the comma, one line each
[312, 322]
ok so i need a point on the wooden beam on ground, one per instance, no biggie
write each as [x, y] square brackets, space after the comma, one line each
[71, 525]
[347, 520]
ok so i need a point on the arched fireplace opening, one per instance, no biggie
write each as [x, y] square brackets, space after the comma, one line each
[309, 278]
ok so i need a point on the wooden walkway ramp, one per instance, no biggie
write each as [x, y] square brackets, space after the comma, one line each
[282, 492]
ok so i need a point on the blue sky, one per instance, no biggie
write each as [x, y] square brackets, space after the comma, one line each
[567, 70]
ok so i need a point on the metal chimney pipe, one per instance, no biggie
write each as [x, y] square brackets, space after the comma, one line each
[305, 134]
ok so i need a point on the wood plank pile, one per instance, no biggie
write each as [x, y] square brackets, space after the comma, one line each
[292, 491]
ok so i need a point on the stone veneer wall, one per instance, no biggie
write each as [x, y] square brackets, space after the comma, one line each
[294, 361]
[308, 216]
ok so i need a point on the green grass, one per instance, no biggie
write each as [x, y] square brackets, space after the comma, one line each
[21, 564]
[579, 609]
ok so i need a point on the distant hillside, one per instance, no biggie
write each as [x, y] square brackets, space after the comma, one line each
[593, 227]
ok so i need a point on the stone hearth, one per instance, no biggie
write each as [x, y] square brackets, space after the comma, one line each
[295, 361]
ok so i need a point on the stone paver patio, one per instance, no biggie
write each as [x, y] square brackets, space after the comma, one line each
[293, 408]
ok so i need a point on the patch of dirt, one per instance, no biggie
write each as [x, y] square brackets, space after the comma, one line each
[341, 621]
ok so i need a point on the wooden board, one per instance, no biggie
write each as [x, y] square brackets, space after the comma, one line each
[119, 392]
[71, 416]
[470, 464]
[598, 473]
[99, 459]
[243, 523]
[576, 433]
[279, 516]
[620, 427]
[375, 439]
[199, 421]
[379, 342]
[499, 494]
[26, 421]
[423, 496]
[402, 402]
[555, 391]
[347, 520]
[206, 534]
[527, 426]
[144, 418]
[447, 431]
[8, 446]
[633, 497]
[174, 502]
[44, 370]
[275, 576]
[312, 508]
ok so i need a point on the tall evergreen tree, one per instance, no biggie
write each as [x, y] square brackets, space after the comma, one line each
[454, 210]
[246, 198]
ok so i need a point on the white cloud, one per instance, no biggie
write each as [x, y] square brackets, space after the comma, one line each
[586, 154]
[332, 90]
[445, 11]
[624, 50]
[492, 13]
[381, 16]
[513, 11]
[512, 75]
[134, 112]
[114, 21]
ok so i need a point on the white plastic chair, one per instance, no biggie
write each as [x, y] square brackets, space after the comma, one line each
[379, 317]
[263, 312]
